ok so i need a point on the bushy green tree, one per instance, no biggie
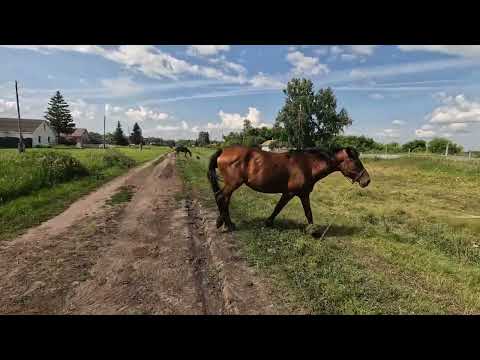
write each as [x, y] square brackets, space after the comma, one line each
[59, 115]
[118, 136]
[136, 135]
[361, 143]
[415, 146]
[439, 145]
[203, 138]
[95, 138]
[308, 119]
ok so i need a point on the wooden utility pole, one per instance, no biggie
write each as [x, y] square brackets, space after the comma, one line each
[104, 120]
[21, 145]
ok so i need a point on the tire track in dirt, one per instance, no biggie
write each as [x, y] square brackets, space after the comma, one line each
[157, 254]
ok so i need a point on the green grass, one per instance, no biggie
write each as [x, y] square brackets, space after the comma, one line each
[124, 194]
[406, 244]
[33, 192]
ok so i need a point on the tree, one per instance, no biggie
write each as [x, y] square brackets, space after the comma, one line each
[136, 136]
[59, 116]
[203, 138]
[439, 145]
[309, 119]
[361, 143]
[118, 136]
[415, 146]
[393, 147]
[95, 138]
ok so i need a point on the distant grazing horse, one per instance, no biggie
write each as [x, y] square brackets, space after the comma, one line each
[183, 149]
[292, 173]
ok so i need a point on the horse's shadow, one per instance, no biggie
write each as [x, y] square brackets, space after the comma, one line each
[316, 232]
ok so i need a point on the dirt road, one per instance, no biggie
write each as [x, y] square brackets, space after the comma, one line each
[158, 253]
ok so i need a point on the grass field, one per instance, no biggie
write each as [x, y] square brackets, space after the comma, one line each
[407, 244]
[42, 183]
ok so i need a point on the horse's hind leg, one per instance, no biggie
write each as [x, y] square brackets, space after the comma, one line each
[223, 203]
[286, 197]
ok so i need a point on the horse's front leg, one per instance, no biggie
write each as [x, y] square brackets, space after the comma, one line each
[305, 198]
[286, 197]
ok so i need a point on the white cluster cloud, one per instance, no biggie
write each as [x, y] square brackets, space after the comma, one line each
[122, 86]
[409, 68]
[142, 113]
[456, 109]
[147, 59]
[7, 106]
[335, 50]
[306, 65]
[454, 116]
[424, 133]
[233, 121]
[81, 111]
[398, 122]
[347, 52]
[264, 81]
[229, 66]
[363, 49]
[206, 50]
[389, 133]
[458, 50]
[348, 57]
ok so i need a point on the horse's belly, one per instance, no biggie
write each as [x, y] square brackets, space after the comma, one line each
[268, 188]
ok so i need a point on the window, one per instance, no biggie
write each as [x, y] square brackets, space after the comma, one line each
[49, 139]
[39, 139]
[44, 128]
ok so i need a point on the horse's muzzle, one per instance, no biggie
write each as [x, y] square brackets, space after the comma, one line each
[364, 180]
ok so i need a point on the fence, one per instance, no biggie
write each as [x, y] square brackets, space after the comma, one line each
[465, 157]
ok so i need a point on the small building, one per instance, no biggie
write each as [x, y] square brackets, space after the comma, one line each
[79, 137]
[34, 132]
[268, 145]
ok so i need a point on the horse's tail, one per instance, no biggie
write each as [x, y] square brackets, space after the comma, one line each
[212, 174]
[189, 152]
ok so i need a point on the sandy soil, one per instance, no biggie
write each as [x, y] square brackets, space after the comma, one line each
[159, 253]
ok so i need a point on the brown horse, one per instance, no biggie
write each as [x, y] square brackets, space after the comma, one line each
[292, 173]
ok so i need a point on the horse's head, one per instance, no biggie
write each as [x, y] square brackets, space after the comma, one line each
[351, 166]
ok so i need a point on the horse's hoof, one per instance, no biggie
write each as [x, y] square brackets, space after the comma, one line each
[219, 222]
[268, 223]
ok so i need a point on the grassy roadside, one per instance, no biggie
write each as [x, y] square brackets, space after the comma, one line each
[406, 244]
[39, 205]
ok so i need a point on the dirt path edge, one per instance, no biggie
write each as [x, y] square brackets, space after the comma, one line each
[243, 291]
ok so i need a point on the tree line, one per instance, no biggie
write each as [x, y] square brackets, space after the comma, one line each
[308, 118]
[312, 119]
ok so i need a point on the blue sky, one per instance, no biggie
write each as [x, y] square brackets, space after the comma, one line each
[392, 93]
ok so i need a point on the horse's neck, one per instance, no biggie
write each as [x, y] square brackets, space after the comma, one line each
[331, 165]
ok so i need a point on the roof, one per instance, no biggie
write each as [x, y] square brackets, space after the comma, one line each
[268, 143]
[27, 125]
[79, 132]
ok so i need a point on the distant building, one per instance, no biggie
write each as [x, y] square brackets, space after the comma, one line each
[34, 132]
[268, 145]
[79, 137]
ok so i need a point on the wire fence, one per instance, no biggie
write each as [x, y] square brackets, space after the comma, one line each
[461, 157]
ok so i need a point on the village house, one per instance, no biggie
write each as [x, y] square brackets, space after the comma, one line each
[79, 137]
[34, 132]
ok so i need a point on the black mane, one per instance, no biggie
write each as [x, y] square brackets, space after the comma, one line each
[330, 152]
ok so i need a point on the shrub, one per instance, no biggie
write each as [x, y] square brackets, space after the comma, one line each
[24, 173]
[115, 158]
